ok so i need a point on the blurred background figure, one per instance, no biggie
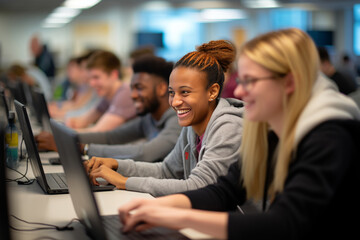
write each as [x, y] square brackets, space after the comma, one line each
[116, 106]
[133, 55]
[347, 67]
[29, 76]
[43, 59]
[78, 96]
[230, 82]
[346, 85]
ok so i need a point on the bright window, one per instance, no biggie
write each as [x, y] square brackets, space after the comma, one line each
[357, 29]
[181, 32]
[284, 18]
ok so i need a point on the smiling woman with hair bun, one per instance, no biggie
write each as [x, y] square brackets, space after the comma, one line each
[211, 134]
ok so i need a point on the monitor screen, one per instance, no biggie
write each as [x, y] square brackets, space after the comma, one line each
[321, 37]
[150, 39]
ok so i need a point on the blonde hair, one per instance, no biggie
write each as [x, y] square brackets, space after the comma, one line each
[287, 51]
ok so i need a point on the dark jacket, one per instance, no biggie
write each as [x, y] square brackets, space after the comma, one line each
[320, 198]
[319, 201]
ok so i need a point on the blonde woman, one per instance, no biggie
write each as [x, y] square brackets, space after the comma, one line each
[299, 155]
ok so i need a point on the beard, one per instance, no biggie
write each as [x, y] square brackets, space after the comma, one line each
[150, 106]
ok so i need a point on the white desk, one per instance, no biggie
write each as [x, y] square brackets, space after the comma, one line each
[29, 203]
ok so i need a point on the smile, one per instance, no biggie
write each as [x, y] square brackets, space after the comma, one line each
[182, 111]
[138, 105]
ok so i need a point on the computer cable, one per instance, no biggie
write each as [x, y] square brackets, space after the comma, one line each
[22, 175]
[46, 225]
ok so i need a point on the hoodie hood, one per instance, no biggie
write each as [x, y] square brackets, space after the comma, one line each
[228, 109]
[326, 103]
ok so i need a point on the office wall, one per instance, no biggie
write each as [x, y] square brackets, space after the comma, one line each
[17, 29]
[122, 22]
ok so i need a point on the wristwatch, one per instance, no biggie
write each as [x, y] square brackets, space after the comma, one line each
[86, 149]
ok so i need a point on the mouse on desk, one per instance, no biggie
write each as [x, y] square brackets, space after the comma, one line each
[102, 181]
[55, 161]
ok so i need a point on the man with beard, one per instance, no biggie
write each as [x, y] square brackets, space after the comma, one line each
[156, 121]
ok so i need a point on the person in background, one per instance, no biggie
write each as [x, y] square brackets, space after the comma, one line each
[299, 155]
[156, 121]
[210, 137]
[347, 67]
[83, 97]
[230, 83]
[43, 59]
[133, 55]
[17, 72]
[65, 88]
[346, 85]
[116, 106]
[31, 76]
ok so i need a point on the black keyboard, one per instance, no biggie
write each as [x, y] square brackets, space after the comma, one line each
[59, 179]
[113, 228]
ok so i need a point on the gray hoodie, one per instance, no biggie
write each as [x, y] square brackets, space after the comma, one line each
[118, 143]
[181, 170]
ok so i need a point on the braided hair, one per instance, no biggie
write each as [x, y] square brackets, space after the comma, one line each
[213, 58]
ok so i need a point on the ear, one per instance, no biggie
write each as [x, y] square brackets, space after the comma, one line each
[213, 91]
[115, 74]
[289, 84]
[162, 89]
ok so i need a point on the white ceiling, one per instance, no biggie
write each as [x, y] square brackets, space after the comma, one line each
[41, 6]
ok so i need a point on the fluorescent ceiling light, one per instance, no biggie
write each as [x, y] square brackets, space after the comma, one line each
[64, 12]
[80, 4]
[52, 25]
[209, 4]
[57, 20]
[222, 14]
[60, 16]
[261, 3]
[156, 5]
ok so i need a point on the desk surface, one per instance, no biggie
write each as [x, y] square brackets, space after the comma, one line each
[29, 203]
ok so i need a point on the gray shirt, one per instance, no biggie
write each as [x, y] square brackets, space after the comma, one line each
[161, 137]
[182, 169]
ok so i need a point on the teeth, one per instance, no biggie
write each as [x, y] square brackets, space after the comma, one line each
[182, 111]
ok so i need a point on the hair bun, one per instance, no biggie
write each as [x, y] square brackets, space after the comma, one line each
[222, 50]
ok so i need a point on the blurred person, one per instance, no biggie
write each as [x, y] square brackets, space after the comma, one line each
[230, 83]
[43, 59]
[83, 97]
[31, 76]
[346, 85]
[116, 106]
[210, 137]
[156, 121]
[133, 55]
[347, 67]
[299, 155]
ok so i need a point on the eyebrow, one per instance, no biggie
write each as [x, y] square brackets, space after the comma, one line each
[246, 76]
[181, 87]
[136, 84]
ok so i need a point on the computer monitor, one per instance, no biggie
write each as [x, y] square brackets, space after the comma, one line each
[18, 91]
[4, 215]
[4, 108]
[41, 110]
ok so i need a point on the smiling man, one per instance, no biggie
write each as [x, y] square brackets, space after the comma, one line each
[116, 106]
[156, 121]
